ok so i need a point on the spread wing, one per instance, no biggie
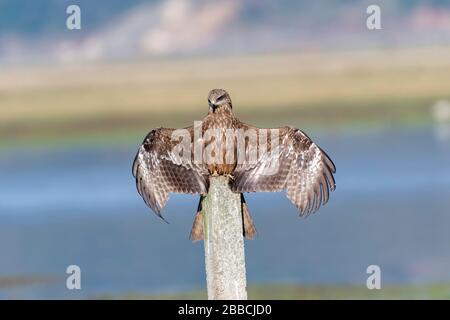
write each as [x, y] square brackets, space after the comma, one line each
[296, 165]
[160, 169]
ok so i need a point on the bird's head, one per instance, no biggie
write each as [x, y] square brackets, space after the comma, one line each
[217, 99]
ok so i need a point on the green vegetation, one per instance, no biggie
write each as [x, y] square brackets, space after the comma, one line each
[24, 281]
[314, 292]
[263, 291]
[121, 102]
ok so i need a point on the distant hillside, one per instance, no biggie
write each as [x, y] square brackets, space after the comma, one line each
[34, 31]
[39, 17]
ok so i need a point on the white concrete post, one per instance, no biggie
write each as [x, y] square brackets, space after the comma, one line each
[224, 242]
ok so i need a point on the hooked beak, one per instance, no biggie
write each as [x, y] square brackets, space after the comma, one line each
[212, 105]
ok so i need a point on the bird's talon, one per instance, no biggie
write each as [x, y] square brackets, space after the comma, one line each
[229, 176]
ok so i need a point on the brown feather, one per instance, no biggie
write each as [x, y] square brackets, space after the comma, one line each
[304, 170]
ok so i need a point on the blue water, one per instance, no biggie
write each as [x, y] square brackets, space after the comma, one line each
[79, 206]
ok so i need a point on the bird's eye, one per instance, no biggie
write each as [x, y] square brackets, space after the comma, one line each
[221, 97]
[209, 101]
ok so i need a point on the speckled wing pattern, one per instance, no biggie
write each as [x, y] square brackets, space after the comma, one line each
[159, 171]
[304, 171]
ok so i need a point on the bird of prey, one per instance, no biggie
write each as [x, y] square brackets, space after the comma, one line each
[304, 170]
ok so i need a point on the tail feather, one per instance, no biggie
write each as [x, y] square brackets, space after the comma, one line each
[249, 229]
[197, 226]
